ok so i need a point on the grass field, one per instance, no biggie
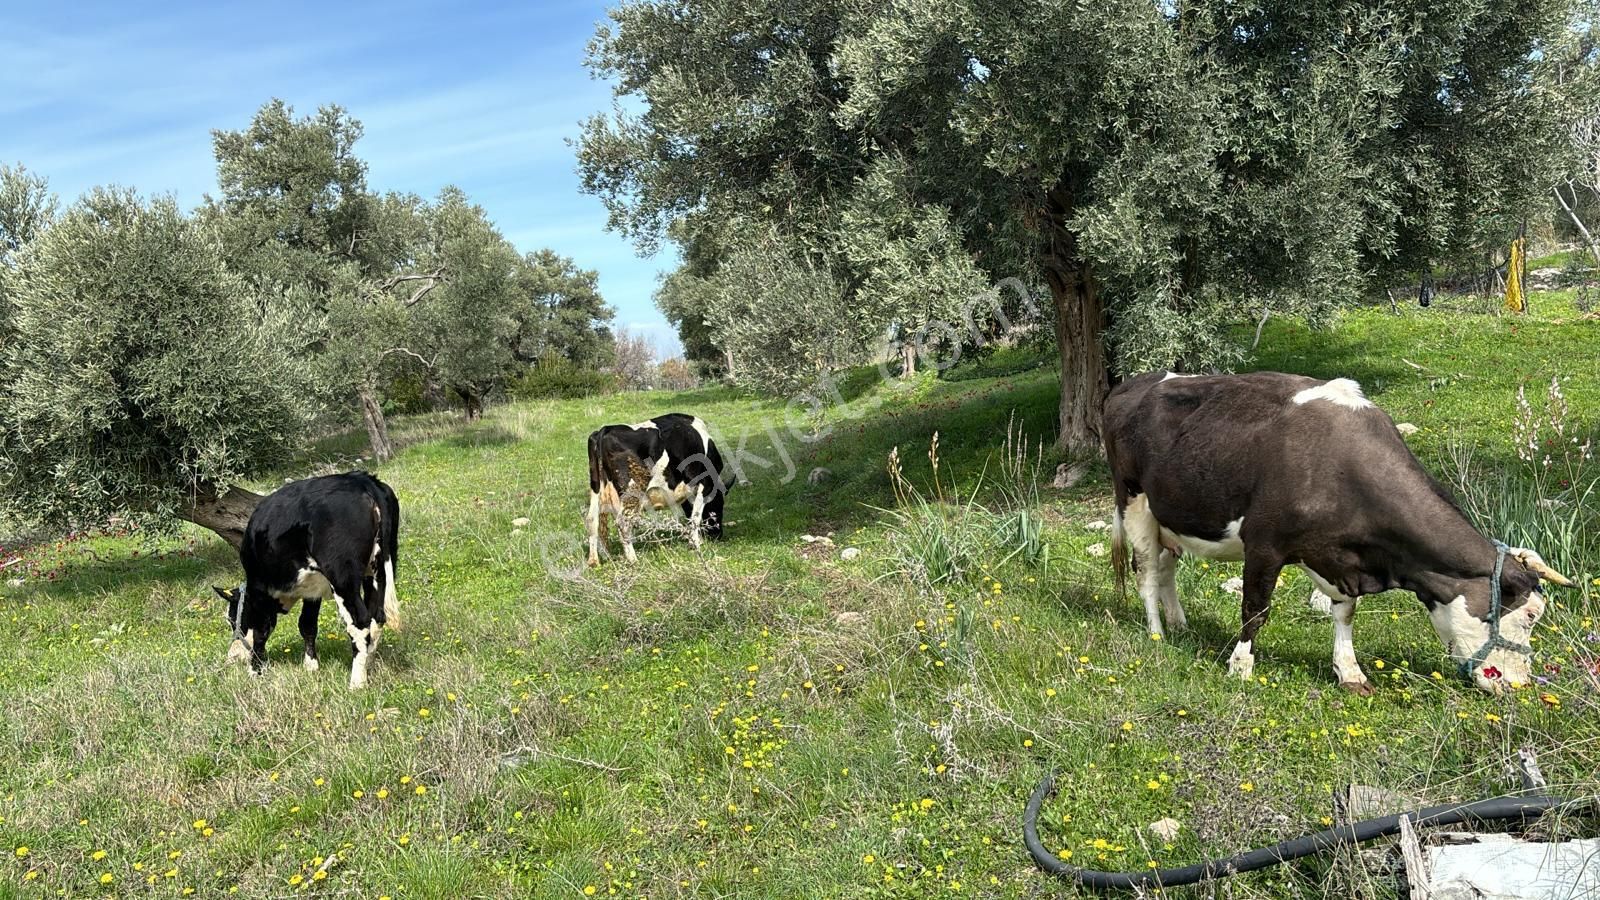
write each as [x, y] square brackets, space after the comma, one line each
[765, 719]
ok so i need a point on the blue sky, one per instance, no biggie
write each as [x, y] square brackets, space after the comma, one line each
[481, 95]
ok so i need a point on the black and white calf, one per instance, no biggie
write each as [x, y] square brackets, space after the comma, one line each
[336, 537]
[1280, 470]
[670, 460]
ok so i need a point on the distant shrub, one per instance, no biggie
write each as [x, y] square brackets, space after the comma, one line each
[554, 377]
[675, 375]
[408, 395]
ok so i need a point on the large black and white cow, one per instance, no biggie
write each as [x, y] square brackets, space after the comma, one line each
[1279, 470]
[336, 537]
[667, 461]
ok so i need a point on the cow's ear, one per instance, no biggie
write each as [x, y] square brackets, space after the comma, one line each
[228, 594]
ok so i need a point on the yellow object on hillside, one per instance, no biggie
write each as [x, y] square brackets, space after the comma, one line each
[1514, 298]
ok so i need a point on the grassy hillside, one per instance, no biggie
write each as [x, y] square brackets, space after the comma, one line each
[766, 719]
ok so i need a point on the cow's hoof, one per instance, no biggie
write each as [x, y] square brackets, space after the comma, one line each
[594, 563]
[238, 652]
[1242, 664]
[310, 664]
[1359, 688]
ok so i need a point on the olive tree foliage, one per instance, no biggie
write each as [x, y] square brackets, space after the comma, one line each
[468, 323]
[559, 310]
[299, 225]
[1577, 187]
[782, 317]
[141, 379]
[26, 207]
[1160, 167]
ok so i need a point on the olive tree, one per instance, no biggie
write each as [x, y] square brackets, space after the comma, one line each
[1156, 165]
[141, 378]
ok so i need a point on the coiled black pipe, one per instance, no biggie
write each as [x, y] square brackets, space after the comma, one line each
[1494, 809]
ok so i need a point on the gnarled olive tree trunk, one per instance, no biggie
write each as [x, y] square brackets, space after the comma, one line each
[226, 514]
[1080, 330]
[377, 426]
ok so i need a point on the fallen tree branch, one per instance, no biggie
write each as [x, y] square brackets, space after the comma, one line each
[510, 755]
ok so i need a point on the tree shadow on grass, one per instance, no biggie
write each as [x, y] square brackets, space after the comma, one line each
[479, 436]
[971, 423]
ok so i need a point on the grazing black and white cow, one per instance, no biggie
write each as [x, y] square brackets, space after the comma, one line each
[1279, 470]
[336, 537]
[669, 460]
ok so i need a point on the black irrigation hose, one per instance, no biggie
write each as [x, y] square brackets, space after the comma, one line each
[1493, 809]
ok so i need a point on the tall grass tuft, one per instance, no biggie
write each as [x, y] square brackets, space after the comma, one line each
[939, 536]
[1550, 500]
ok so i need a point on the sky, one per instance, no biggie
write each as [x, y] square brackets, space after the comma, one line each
[481, 95]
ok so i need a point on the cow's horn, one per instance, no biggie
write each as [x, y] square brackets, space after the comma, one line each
[1536, 564]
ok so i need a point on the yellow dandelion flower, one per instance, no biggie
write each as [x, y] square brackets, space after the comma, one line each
[868, 859]
[107, 878]
[1127, 726]
[22, 852]
[589, 889]
[383, 794]
[421, 789]
[98, 855]
[320, 875]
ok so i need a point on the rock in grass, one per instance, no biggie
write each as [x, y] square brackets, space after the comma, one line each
[1166, 829]
[850, 620]
[520, 522]
[850, 553]
[1098, 525]
[1095, 549]
[1407, 429]
[819, 475]
[1320, 602]
[1234, 585]
[1069, 475]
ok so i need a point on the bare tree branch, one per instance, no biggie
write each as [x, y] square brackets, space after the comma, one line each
[430, 282]
[411, 353]
[1588, 238]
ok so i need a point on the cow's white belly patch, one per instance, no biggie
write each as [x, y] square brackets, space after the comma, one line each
[1229, 548]
[309, 584]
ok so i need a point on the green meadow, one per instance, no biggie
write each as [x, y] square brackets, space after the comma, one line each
[767, 718]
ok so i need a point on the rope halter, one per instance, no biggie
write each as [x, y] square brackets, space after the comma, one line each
[1496, 641]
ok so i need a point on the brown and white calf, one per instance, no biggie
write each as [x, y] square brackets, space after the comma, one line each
[1278, 470]
[668, 461]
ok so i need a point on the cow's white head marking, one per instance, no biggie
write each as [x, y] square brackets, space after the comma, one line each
[1340, 391]
[1496, 655]
[1492, 665]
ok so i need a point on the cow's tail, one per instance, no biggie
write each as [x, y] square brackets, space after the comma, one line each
[1119, 552]
[386, 517]
[596, 464]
